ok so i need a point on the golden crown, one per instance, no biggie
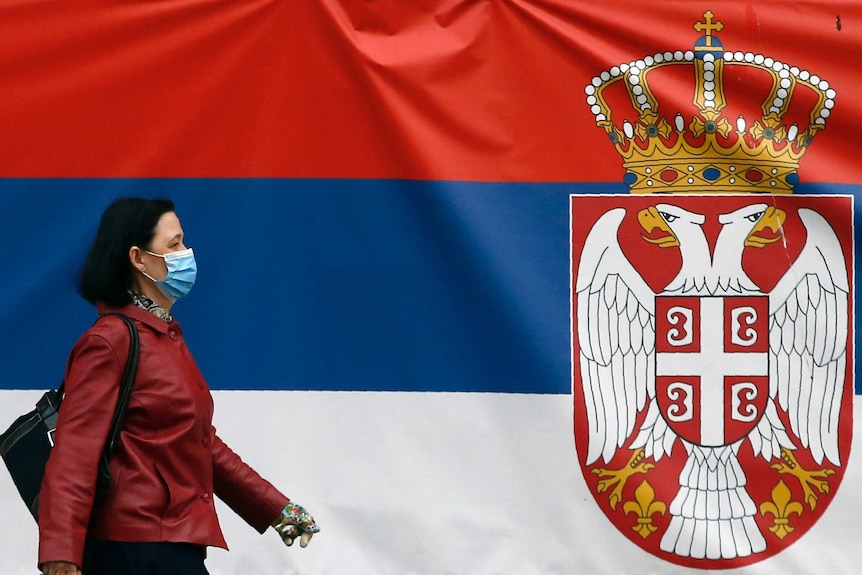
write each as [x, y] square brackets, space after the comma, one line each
[712, 153]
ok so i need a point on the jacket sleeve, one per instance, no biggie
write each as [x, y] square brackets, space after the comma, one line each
[68, 488]
[249, 495]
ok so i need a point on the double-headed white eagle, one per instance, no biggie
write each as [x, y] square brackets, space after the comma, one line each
[712, 515]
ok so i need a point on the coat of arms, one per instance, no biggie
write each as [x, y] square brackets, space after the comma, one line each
[711, 331]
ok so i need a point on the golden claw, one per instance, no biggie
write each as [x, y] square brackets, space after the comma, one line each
[807, 479]
[617, 478]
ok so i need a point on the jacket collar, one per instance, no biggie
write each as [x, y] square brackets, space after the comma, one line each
[140, 315]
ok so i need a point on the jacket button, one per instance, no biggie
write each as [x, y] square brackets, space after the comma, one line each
[173, 335]
[205, 441]
[206, 497]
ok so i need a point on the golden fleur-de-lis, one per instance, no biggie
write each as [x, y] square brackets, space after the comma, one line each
[781, 507]
[645, 507]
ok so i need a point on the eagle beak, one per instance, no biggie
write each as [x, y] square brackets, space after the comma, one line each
[650, 220]
[772, 219]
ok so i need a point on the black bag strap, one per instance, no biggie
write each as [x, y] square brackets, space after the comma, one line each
[48, 408]
[128, 381]
[103, 480]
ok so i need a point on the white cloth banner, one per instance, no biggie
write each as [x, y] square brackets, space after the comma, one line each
[430, 484]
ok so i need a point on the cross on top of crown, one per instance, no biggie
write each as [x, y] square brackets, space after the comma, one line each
[709, 26]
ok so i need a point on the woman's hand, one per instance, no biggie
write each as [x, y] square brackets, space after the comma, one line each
[295, 522]
[60, 568]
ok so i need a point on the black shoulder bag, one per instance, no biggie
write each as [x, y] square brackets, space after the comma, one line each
[26, 445]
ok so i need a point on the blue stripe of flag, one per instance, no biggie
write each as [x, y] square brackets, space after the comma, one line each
[364, 285]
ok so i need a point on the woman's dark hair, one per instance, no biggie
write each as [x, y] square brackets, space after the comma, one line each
[107, 273]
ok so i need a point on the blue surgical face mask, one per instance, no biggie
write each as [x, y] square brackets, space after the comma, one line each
[182, 270]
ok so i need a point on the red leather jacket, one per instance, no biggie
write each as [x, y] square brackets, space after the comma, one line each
[169, 461]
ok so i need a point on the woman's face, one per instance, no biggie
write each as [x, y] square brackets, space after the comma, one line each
[168, 238]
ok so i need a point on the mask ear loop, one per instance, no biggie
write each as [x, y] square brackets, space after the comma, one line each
[149, 277]
[143, 268]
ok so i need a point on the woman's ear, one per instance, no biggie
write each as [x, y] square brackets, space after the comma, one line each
[135, 258]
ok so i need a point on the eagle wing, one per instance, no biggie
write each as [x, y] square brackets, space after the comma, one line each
[616, 335]
[808, 311]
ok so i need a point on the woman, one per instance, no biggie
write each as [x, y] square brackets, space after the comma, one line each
[158, 515]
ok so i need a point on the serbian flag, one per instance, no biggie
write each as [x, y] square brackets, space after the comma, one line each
[489, 287]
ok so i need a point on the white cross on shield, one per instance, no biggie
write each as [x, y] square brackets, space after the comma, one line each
[712, 365]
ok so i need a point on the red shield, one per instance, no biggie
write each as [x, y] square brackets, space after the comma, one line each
[712, 365]
[683, 362]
